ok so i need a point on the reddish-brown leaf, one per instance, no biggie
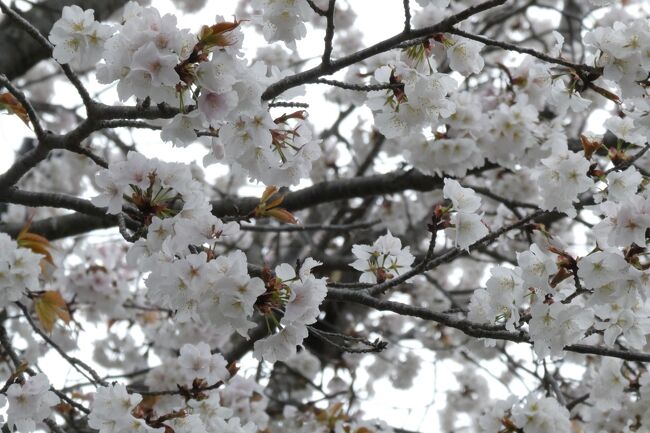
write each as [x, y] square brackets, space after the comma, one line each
[11, 104]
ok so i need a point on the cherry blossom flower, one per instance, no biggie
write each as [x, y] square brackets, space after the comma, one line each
[541, 415]
[30, 403]
[77, 38]
[196, 362]
[467, 228]
[281, 345]
[464, 56]
[19, 270]
[463, 199]
[111, 411]
[380, 260]
[536, 267]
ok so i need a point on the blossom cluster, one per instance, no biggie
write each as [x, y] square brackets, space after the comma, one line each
[622, 52]
[19, 270]
[163, 63]
[283, 20]
[117, 410]
[30, 403]
[382, 260]
[626, 212]
[142, 55]
[217, 291]
[188, 276]
[300, 295]
[616, 305]
[77, 38]
[112, 411]
[562, 176]
[416, 100]
[195, 365]
[149, 184]
[275, 151]
[534, 415]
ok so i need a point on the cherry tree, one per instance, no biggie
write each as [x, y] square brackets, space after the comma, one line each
[479, 203]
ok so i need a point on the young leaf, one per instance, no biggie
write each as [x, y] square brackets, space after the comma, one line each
[49, 306]
[272, 209]
[37, 243]
[11, 104]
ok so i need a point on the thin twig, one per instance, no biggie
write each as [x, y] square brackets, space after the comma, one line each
[451, 255]
[288, 104]
[478, 330]
[309, 227]
[628, 162]
[31, 113]
[407, 16]
[529, 51]
[328, 337]
[329, 33]
[75, 362]
[316, 9]
[121, 223]
[357, 87]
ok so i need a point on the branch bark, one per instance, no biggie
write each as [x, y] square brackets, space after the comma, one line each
[470, 328]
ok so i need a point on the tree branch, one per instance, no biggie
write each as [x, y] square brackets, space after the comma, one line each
[407, 16]
[285, 228]
[329, 33]
[470, 328]
[323, 192]
[50, 199]
[529, 51]
[326, 69]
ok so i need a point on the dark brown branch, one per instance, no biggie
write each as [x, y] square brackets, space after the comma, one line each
[378, 141]
[470, 328]
[101, 116]
[23, 164]
[329, 33]
[529, 51]
[63, 226]
[160, 111]
[50, 199]
[324, 192]
[288, 104]
[309, 227]
[316, 9]
[451, 255]
[407, 16]
[335, 190]
[357, 87]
